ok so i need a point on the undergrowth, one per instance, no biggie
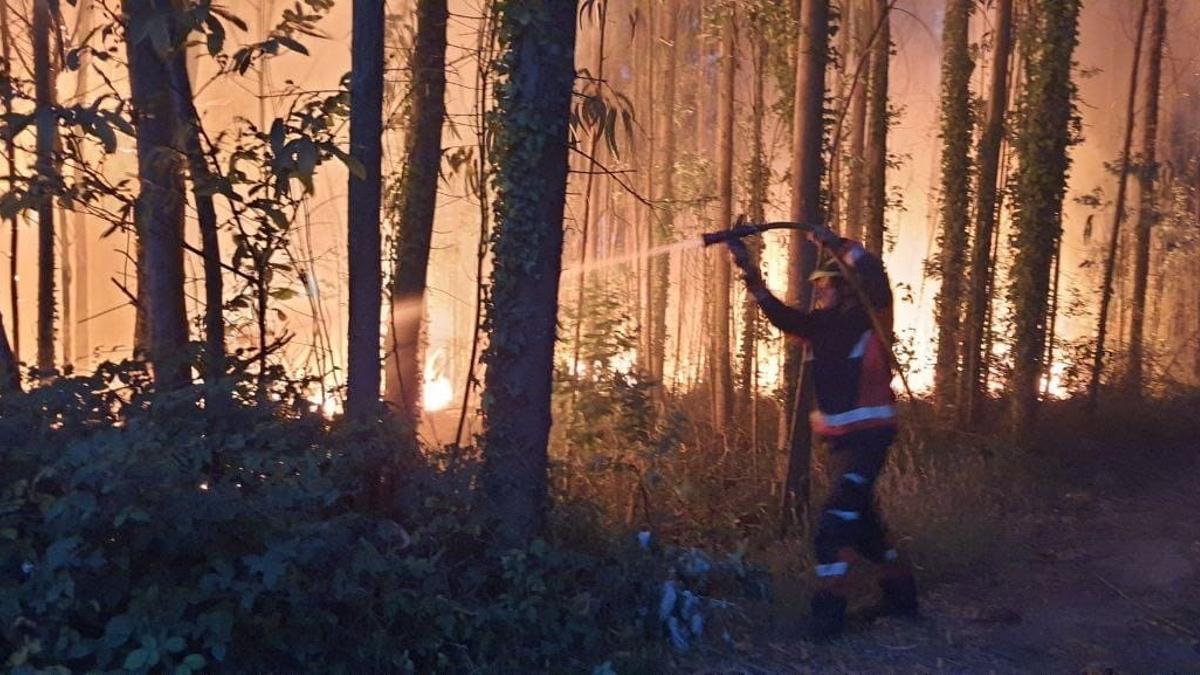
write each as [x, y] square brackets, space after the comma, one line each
[235, 529]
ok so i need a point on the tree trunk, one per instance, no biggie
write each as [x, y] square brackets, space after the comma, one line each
[861, 28]
[645, 236]
[533, 109]
[957, 124]
[418, 203]
[10, 157]
[10, 370]
[1148, 207]
[190, 138]
[664, 226]
[722, 312]
[588, 234]
[1052, 319]
[757, 181]
[159, 212]
[45, 14]
[875, 155]
[971, 391]
[1106, 286]
[83, 345]
[1040, 184]
[808, 127]
[366, 145]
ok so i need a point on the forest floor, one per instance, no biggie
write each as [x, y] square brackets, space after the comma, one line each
[1104, 579]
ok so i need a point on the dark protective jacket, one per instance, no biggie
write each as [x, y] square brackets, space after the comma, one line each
[851, 366]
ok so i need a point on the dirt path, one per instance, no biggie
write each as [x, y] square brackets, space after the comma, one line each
[1109, 581]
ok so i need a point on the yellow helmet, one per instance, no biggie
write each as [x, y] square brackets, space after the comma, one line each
[829, 270]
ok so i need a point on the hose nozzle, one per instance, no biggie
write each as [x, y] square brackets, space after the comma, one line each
[735, 232]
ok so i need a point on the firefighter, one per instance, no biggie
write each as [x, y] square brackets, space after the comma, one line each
[855, 412]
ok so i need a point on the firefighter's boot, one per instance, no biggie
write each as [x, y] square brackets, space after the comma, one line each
[828, 619]
[898, 590]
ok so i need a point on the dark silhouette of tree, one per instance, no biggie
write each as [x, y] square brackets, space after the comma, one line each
[159, 212]
[10, 371]
[10, 157]
[808, 132]
[1106, 285]
[1147, 194]
[45, 18]
[365, 195]
[533, 102]
[190, 138]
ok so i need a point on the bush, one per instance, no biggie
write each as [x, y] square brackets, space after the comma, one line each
[142, 532]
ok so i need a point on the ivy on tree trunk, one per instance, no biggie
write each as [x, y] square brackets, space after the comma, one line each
[957, 126]
[537, 69]
[1047, 124]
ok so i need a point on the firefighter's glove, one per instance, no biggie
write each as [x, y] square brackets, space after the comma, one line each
[741, 258]
[826, 237]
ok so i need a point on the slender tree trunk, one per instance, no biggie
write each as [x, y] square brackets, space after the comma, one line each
[645, 235]
[159, 213]
[65, 277]
[875, 156]
[589, 194]
[971, 391]
[1052, 320]
[757, 181]
[1106, 286]
[862, 28]
[190, 140]
[722, 369]
[664, 228]
[10, 370]
[533, 108]
[414, 232]
[10, 157]
[45, 13]
[1148, 211]
[957, 123]
[1040, 184]
[366, 145]
[808, 126]
[82, 345]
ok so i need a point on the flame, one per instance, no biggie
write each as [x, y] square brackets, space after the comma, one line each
[438, 394]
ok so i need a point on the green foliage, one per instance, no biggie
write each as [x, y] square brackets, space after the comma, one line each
[141, 533]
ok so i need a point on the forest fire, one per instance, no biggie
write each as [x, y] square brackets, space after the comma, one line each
[368, 336]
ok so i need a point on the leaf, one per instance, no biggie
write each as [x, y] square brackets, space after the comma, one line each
[61, 552]
[174, 644]
[230, 17]
[136, 660]
[102, 131]
[292, 44]
[216, 35]
[194, 661]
